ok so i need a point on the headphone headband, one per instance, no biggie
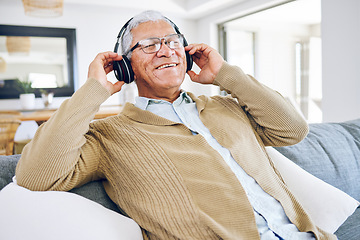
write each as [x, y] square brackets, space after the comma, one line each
[119, 36]
[123, 70]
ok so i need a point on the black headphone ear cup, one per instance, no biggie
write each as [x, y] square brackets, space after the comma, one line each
[189, 61]
[117, 71]
[123, 70]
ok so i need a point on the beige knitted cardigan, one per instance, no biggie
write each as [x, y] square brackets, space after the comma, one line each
[172, 183]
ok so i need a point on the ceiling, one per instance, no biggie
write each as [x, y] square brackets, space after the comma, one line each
[298, 12]
[190, 9]
[195, 9]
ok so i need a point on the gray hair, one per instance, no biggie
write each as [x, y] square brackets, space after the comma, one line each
[145, 16]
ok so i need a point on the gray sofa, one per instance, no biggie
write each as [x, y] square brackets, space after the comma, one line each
[331, 152]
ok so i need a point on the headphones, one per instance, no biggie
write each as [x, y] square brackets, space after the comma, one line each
[123, 70]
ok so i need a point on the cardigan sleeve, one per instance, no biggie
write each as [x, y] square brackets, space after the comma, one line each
[276, 121]
[62, 155]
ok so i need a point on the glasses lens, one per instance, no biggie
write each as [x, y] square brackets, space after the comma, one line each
[150, 45]
[174, 41]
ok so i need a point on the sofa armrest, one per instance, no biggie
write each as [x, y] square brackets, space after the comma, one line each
[95, 191]
[92, 190]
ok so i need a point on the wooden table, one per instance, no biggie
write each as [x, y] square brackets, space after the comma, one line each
[41, 116]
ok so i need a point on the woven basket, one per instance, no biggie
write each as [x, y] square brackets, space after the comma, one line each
[43, 8]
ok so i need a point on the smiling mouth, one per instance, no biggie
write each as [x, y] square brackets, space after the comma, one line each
[167, 66]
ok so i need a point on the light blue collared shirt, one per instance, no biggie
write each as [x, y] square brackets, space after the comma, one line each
[270, 216]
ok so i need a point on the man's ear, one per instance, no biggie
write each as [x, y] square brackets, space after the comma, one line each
[134, 71]
[133, 68]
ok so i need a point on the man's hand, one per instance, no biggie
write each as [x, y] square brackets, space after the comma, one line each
[209, 61]
[101, 66]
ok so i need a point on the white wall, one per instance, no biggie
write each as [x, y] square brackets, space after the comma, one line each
[341, 59]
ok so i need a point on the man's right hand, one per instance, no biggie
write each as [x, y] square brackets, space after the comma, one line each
[101, 66]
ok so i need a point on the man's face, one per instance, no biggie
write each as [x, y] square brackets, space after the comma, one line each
[152, 78]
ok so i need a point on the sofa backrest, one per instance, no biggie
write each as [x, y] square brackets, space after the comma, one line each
[7, 169]
[331, 152]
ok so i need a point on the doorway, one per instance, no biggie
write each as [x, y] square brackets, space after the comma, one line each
[281, 47]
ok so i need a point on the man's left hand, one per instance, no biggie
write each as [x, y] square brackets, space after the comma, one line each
[209, 61]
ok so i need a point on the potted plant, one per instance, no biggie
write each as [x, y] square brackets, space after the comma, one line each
[27, 95]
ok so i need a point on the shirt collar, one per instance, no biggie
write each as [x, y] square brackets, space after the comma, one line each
[144, 102]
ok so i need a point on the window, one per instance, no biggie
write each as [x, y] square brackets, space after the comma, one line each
[42, 80]
[240, 49]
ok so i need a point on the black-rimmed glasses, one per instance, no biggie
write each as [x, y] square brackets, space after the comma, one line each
[152, 45]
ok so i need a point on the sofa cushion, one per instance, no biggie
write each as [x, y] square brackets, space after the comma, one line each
[55, 215]
[328, 206]
[331, 152]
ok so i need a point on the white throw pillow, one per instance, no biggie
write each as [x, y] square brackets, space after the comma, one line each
[328, 206]
[25, 214]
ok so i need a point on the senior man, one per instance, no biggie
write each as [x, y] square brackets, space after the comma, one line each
[182, 166]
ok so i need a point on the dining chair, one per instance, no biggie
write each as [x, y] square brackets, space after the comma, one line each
[8, 126]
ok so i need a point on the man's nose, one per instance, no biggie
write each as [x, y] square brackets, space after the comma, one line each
[165, 50]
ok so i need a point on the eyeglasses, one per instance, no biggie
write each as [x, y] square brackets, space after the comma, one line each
[153, 45]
